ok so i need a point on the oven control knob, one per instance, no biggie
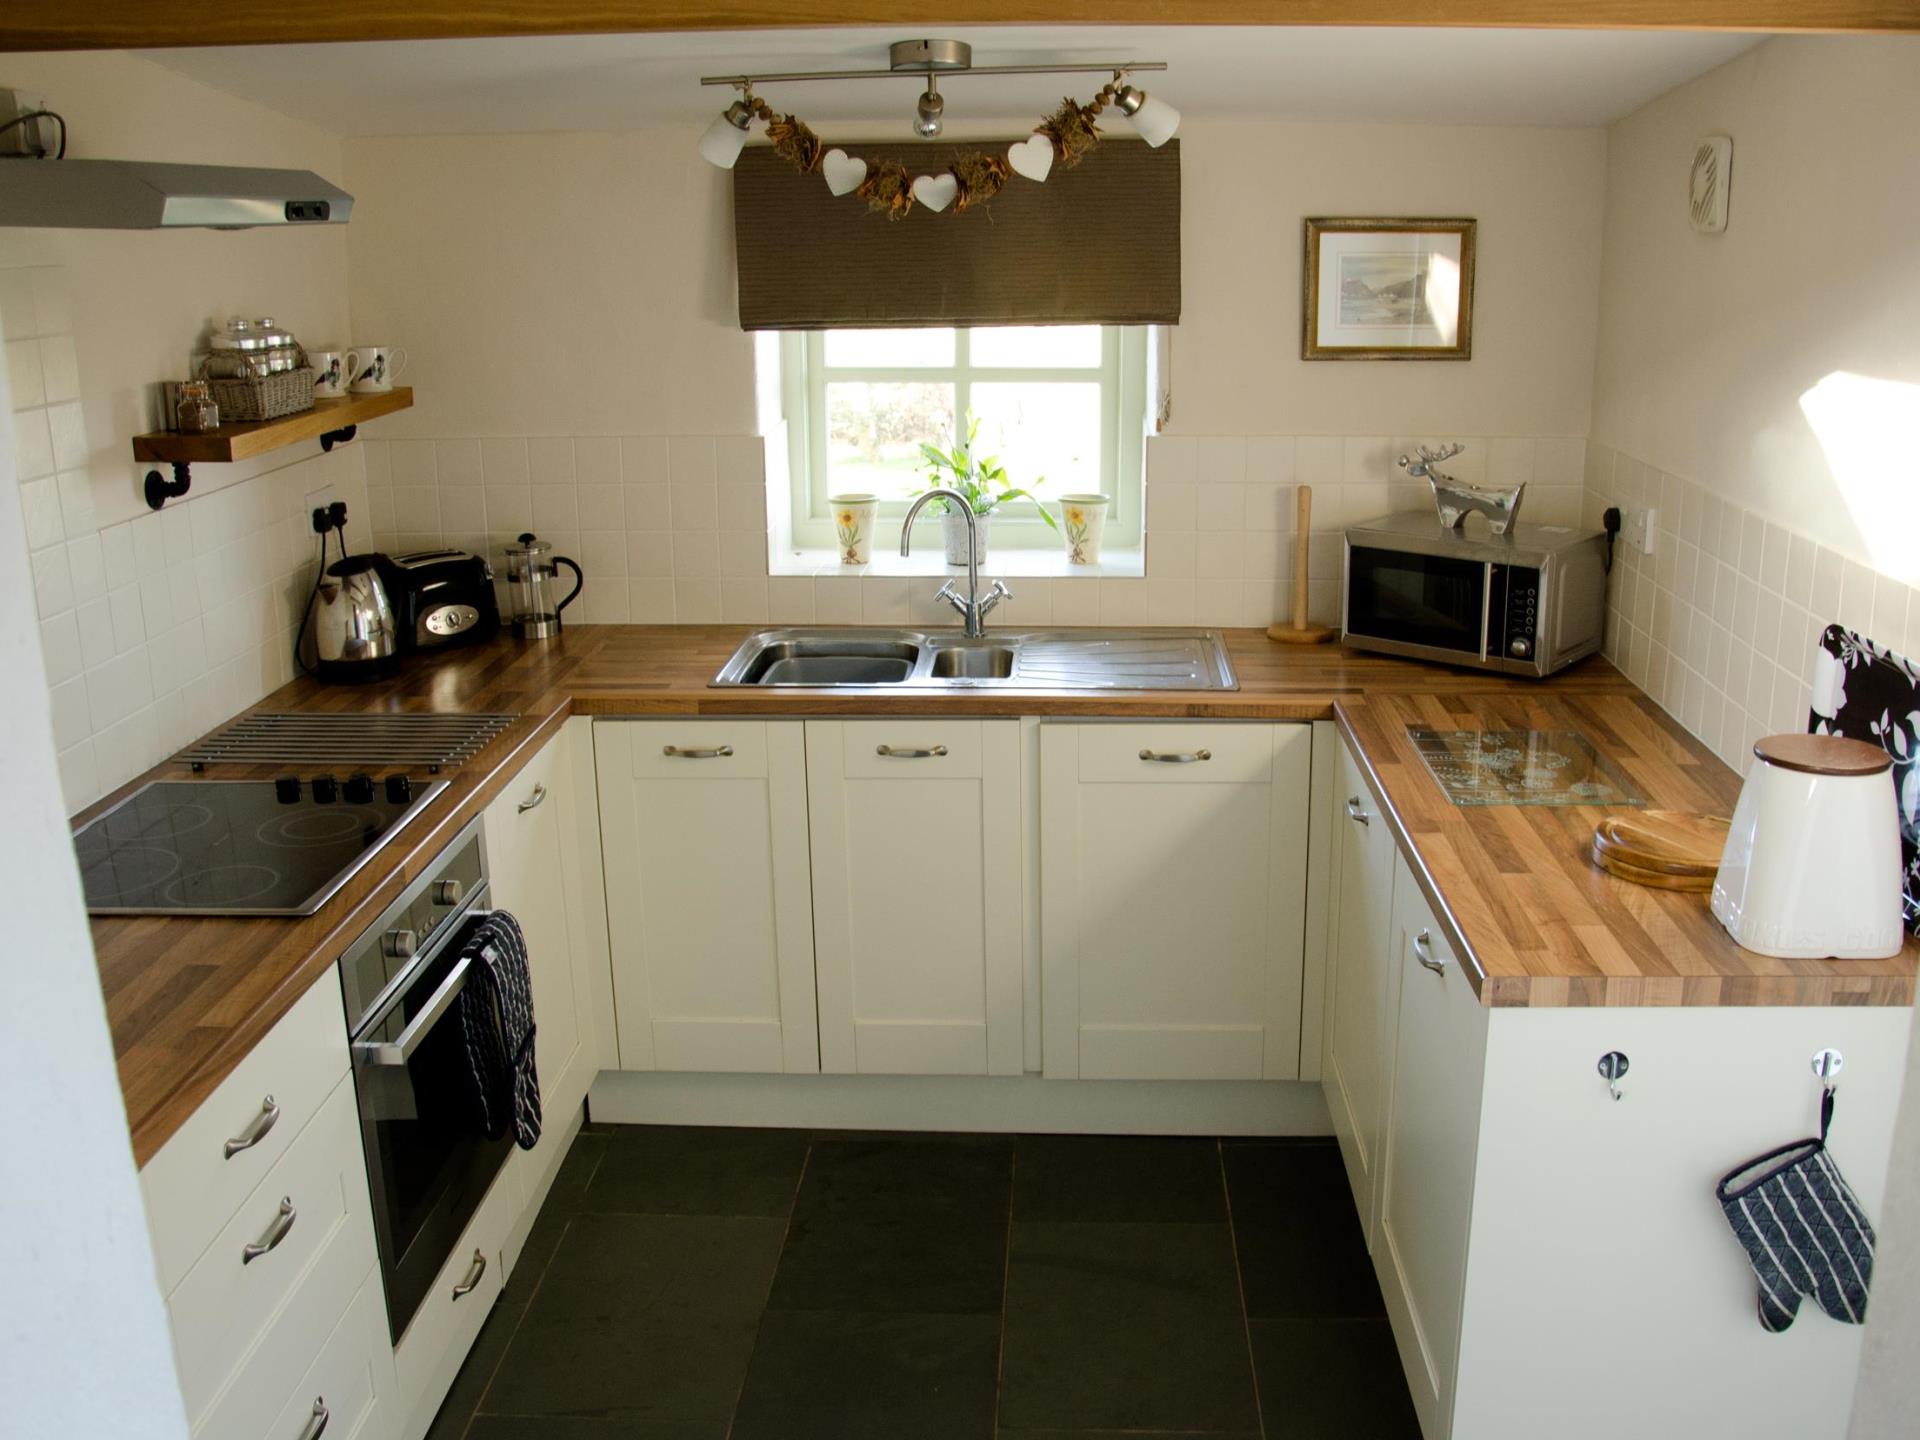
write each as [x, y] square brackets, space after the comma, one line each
[399, 790]
[399, 944]
[326, 789]
[448, 892]
[287, 789]
[1521, 647]
[359, 790]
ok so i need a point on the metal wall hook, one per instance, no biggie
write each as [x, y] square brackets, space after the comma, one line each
[1827, 1064]
[1613, 1065]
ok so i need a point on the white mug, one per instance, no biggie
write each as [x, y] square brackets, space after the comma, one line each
[371, 368]
[329, 373]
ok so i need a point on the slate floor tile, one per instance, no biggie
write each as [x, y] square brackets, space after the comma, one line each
[1118, 1177]
[1332, 1380]
[923, 1266]
[926, 1178]
[697, 1170]
[475, 1374]
[642, 1318]
[1131, 1435]
[1124, 1327]
[1302, 1253]
[552, 1427]
[838, 1376]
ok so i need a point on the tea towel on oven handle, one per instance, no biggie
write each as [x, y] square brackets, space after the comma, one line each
[1803, 1229]
[496, 1021]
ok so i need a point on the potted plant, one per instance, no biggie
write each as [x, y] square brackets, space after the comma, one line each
[983, 480]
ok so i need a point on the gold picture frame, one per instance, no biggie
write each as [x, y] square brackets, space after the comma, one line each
[1387, 289]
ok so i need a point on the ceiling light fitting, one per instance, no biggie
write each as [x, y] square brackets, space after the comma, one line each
[1066, 135]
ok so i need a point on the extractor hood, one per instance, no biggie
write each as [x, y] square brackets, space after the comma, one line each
[147, 195]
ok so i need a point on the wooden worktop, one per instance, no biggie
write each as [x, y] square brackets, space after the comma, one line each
[1534, 923]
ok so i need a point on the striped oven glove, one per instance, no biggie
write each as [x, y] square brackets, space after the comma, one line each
[1802, 1229]
[496, 1022]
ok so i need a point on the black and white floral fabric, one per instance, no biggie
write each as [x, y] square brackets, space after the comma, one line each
[1868, 693]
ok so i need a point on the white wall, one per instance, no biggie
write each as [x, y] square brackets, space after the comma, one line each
[568, 304]
[1776, 517]
[84, 1348]
[157, 627]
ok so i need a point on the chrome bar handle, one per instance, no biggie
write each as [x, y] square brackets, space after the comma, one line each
[1176, 757]
[399, 1050]
[1354, 812]
[718, 752]
[1423, 952]
[276, 1232]
[256, 1130]
[474, 1272]
[539, 795]
[317, 1422]
[894, 752]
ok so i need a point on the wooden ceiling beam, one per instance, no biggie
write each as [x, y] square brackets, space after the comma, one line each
[145, 24]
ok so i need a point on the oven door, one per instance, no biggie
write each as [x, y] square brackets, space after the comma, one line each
[428, 1163]
[1430, 606]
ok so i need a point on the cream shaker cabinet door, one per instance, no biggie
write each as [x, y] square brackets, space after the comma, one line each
[917, 904]
[527, 877]
[709, 906]
[1427, 1162]
[1362, 988]
[1173, 899]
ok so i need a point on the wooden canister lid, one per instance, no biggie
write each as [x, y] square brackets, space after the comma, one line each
[1823, 754]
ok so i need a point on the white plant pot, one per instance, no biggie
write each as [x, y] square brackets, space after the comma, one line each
[1083, 520]
[853, 521]
[954, 526]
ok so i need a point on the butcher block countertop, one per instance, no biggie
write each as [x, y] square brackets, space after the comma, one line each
[1533, 922]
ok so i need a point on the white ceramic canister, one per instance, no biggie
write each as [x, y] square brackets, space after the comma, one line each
[1811, 868]
[853, 520]
[1083, 520]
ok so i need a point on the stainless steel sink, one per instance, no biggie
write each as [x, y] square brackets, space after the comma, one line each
[1012, 659]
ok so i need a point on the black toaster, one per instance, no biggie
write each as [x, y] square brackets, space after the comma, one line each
[440, 598]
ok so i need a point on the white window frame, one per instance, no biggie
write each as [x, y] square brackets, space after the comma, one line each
[1121, 374]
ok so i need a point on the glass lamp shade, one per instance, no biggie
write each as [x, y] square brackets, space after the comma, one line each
[723, 142]
[1155, 121]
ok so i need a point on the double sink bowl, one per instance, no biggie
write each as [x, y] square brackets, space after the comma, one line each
[878, 657]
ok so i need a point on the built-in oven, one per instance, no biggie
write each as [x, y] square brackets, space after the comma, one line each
[429, 1163]
[1530, 602]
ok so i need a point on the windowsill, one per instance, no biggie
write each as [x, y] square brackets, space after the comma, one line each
[1009, 564]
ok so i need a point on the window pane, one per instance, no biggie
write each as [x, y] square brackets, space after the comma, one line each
[1038, 346]
[874, 433]
[1042, 428]
[872, 348]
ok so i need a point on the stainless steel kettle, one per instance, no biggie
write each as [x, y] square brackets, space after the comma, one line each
[349, 634]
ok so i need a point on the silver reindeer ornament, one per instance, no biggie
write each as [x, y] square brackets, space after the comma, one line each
[1455, 498]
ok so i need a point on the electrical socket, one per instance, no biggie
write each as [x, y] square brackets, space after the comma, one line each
[36, 137]
[1638, 528]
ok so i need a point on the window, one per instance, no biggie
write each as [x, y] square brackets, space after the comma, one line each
[1061, 406]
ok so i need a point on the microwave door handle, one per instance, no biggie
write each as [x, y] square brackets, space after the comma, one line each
[1486, 606]
[399, 1050]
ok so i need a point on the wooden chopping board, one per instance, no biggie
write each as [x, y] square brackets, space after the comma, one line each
[1665, 849]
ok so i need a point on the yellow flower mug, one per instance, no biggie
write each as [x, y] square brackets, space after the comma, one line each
[1082, 520]
[853, 517]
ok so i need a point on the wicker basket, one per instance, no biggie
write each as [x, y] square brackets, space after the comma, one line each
[245, 402]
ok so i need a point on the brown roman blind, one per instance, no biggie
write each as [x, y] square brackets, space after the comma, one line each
[1095, 244]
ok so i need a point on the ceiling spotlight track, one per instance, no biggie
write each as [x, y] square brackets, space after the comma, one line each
[1066, 135]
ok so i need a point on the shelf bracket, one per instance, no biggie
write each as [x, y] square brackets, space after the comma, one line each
[160, 489]
[338, 437]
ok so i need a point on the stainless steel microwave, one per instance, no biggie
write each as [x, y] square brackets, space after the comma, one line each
[1529, 602]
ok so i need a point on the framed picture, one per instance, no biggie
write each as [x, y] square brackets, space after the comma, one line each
[1388, 290]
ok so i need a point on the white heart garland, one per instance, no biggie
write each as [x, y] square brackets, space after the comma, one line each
[1032, 157]
[843, 172]
[936, 192]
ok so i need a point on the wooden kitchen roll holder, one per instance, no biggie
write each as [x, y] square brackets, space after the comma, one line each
[1300, 632]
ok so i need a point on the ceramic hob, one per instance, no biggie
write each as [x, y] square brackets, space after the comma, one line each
[240, 847]
[1521, 767]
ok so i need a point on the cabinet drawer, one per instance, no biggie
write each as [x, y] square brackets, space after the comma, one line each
[227, 1302]
[442, 1331]
[193, 1185]
[702, 749]
[274, 1397]
[955, 745]
[1216, 754]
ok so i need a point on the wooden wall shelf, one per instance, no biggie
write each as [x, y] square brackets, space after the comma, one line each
[243, 442]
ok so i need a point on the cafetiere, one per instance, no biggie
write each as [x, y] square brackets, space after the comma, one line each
[531, 567]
